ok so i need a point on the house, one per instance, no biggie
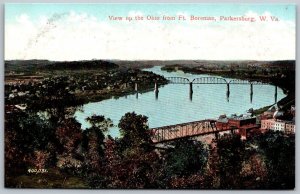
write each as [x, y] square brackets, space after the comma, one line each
[267, 124]
[278, 125]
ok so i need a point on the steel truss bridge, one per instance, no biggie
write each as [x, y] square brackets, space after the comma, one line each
[183, 130]
[210, 80]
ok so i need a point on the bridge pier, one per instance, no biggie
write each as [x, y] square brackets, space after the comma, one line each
[227, 96]
[156, 95]
[251, 92]
[191, 91]
[275, 95]
[135, 87]
[228, 88]
[156, 91]
[156, 87]
[228, 92]
[191, 87]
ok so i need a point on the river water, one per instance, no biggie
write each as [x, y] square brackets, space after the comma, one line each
[174, 104]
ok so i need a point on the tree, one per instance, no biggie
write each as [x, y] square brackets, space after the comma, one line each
[279, 152]
[231, 151]
[186, 158]
[93, 142]
[130, 162]
[100, 122]
[134, 131]
[55, 99]
[25, 134]
[69, 135]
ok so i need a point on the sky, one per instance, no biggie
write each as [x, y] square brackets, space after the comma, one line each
[67, 32]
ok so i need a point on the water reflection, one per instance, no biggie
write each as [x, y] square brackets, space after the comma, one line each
[156, 94]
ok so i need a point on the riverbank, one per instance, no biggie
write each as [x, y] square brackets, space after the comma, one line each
[98, 96]
[77, 88]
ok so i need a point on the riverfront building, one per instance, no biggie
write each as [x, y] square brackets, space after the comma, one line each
[235, 122]
[267, 124]
[278, 125]
[242, 123]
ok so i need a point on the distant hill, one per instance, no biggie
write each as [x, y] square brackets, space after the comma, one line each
[36, 65]
[290, 64]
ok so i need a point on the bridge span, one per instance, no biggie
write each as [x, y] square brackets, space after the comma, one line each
[211, 80]
[208, 80]
[183, 130]
[215, 80]
[195, 128]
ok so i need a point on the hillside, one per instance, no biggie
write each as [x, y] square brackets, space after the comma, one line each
[37, 65]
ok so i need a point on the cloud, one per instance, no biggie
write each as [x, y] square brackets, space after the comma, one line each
[23, 19]
[135, 13]
[80, 36]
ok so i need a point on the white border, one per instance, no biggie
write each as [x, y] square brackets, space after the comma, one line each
[75, 191]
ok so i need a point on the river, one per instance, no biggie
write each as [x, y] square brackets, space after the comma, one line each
[174, 105]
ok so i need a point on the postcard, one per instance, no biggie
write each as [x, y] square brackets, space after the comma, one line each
[150, 96]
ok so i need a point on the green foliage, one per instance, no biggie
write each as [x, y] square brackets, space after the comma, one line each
[69, 135]
[99, 121]
[37, 65]
[187, 157]
[133, 130]
[264, 161]
[93, 137]
[231, 150]
[279, 152]
[32, 131]
[28, 137]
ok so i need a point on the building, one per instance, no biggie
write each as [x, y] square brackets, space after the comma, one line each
[290, 128]
[278, 125]
[235, 122]
[267, 124]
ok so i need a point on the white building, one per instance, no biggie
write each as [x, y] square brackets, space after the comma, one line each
[278, 125]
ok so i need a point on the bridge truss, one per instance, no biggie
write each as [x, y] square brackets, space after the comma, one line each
[211, 80]
[246, 82]
[168, 133]
[178, 80]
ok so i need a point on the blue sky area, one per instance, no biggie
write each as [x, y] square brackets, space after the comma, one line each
[84, 31]
[101, 11]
